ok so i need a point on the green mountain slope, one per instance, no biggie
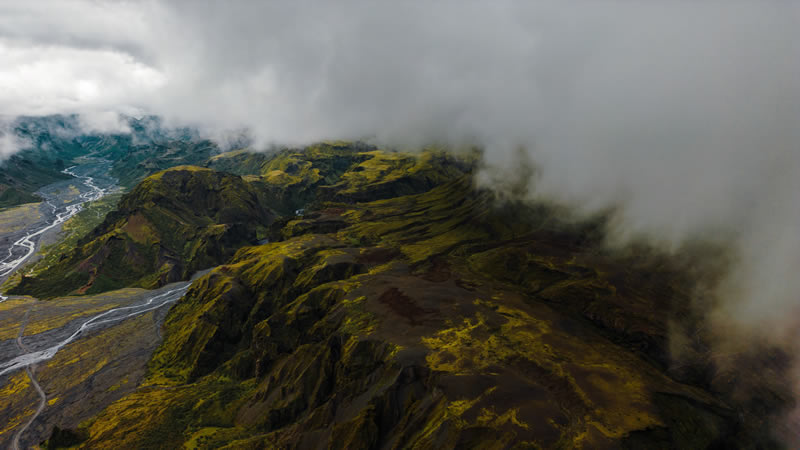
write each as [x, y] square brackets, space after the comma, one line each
[22, 175]
[414, 311]
[239, 162]
[166, 228]
[172, 224]
[291, 178]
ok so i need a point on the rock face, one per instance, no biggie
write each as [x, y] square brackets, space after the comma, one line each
[407, 309]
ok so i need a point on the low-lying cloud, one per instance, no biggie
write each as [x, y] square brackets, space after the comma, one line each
[10, 141]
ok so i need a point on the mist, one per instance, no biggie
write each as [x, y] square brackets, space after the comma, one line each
[10, 142]
[681, 116]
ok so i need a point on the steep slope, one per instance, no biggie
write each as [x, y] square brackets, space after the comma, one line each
[350, 172]
[239, 162]
[172, 224]
[435, 319]
[23, 174]
[291, 178]
[385, 175]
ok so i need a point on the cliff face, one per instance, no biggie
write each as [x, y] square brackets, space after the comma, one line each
[429, 317]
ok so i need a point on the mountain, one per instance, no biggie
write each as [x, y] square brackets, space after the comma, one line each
[172, 224]
[239, 162]
[405, 308]
[189, 218]
[23, 174]
[296, 178]
[133, 162]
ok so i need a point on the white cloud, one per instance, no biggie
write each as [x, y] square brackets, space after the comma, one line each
[105, 122]
[10, 142]
[41, 80]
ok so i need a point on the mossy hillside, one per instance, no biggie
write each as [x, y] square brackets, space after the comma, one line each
[390, 174]
[432, 320]
[239, 162]
[351, 172]
[222, 309]
[146, 249]
[163, 229]
[21, 175]
[74, 229]
[291, 178]
[171, 225]
[11, 196]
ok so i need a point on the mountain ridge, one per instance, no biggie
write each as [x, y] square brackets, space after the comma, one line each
[433, 315]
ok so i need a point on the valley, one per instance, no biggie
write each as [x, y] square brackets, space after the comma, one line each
[72, 351]
[82, 352]
[62, 201]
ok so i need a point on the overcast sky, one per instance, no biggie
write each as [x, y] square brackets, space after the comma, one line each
[683, 114]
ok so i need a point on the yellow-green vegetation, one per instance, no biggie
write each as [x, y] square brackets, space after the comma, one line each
[12, 312]
[188, 217]
[90, 373]
[291, 178]
[17, 402]
[411, 310]
[389, 174]
[121, 383]
[239, 162]
[49, 316]
[17, 218]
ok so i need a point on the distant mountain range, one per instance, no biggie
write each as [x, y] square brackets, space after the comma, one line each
[54, 142]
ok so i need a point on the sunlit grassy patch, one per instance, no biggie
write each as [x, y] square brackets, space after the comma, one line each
[17, 218]
[17, 401]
